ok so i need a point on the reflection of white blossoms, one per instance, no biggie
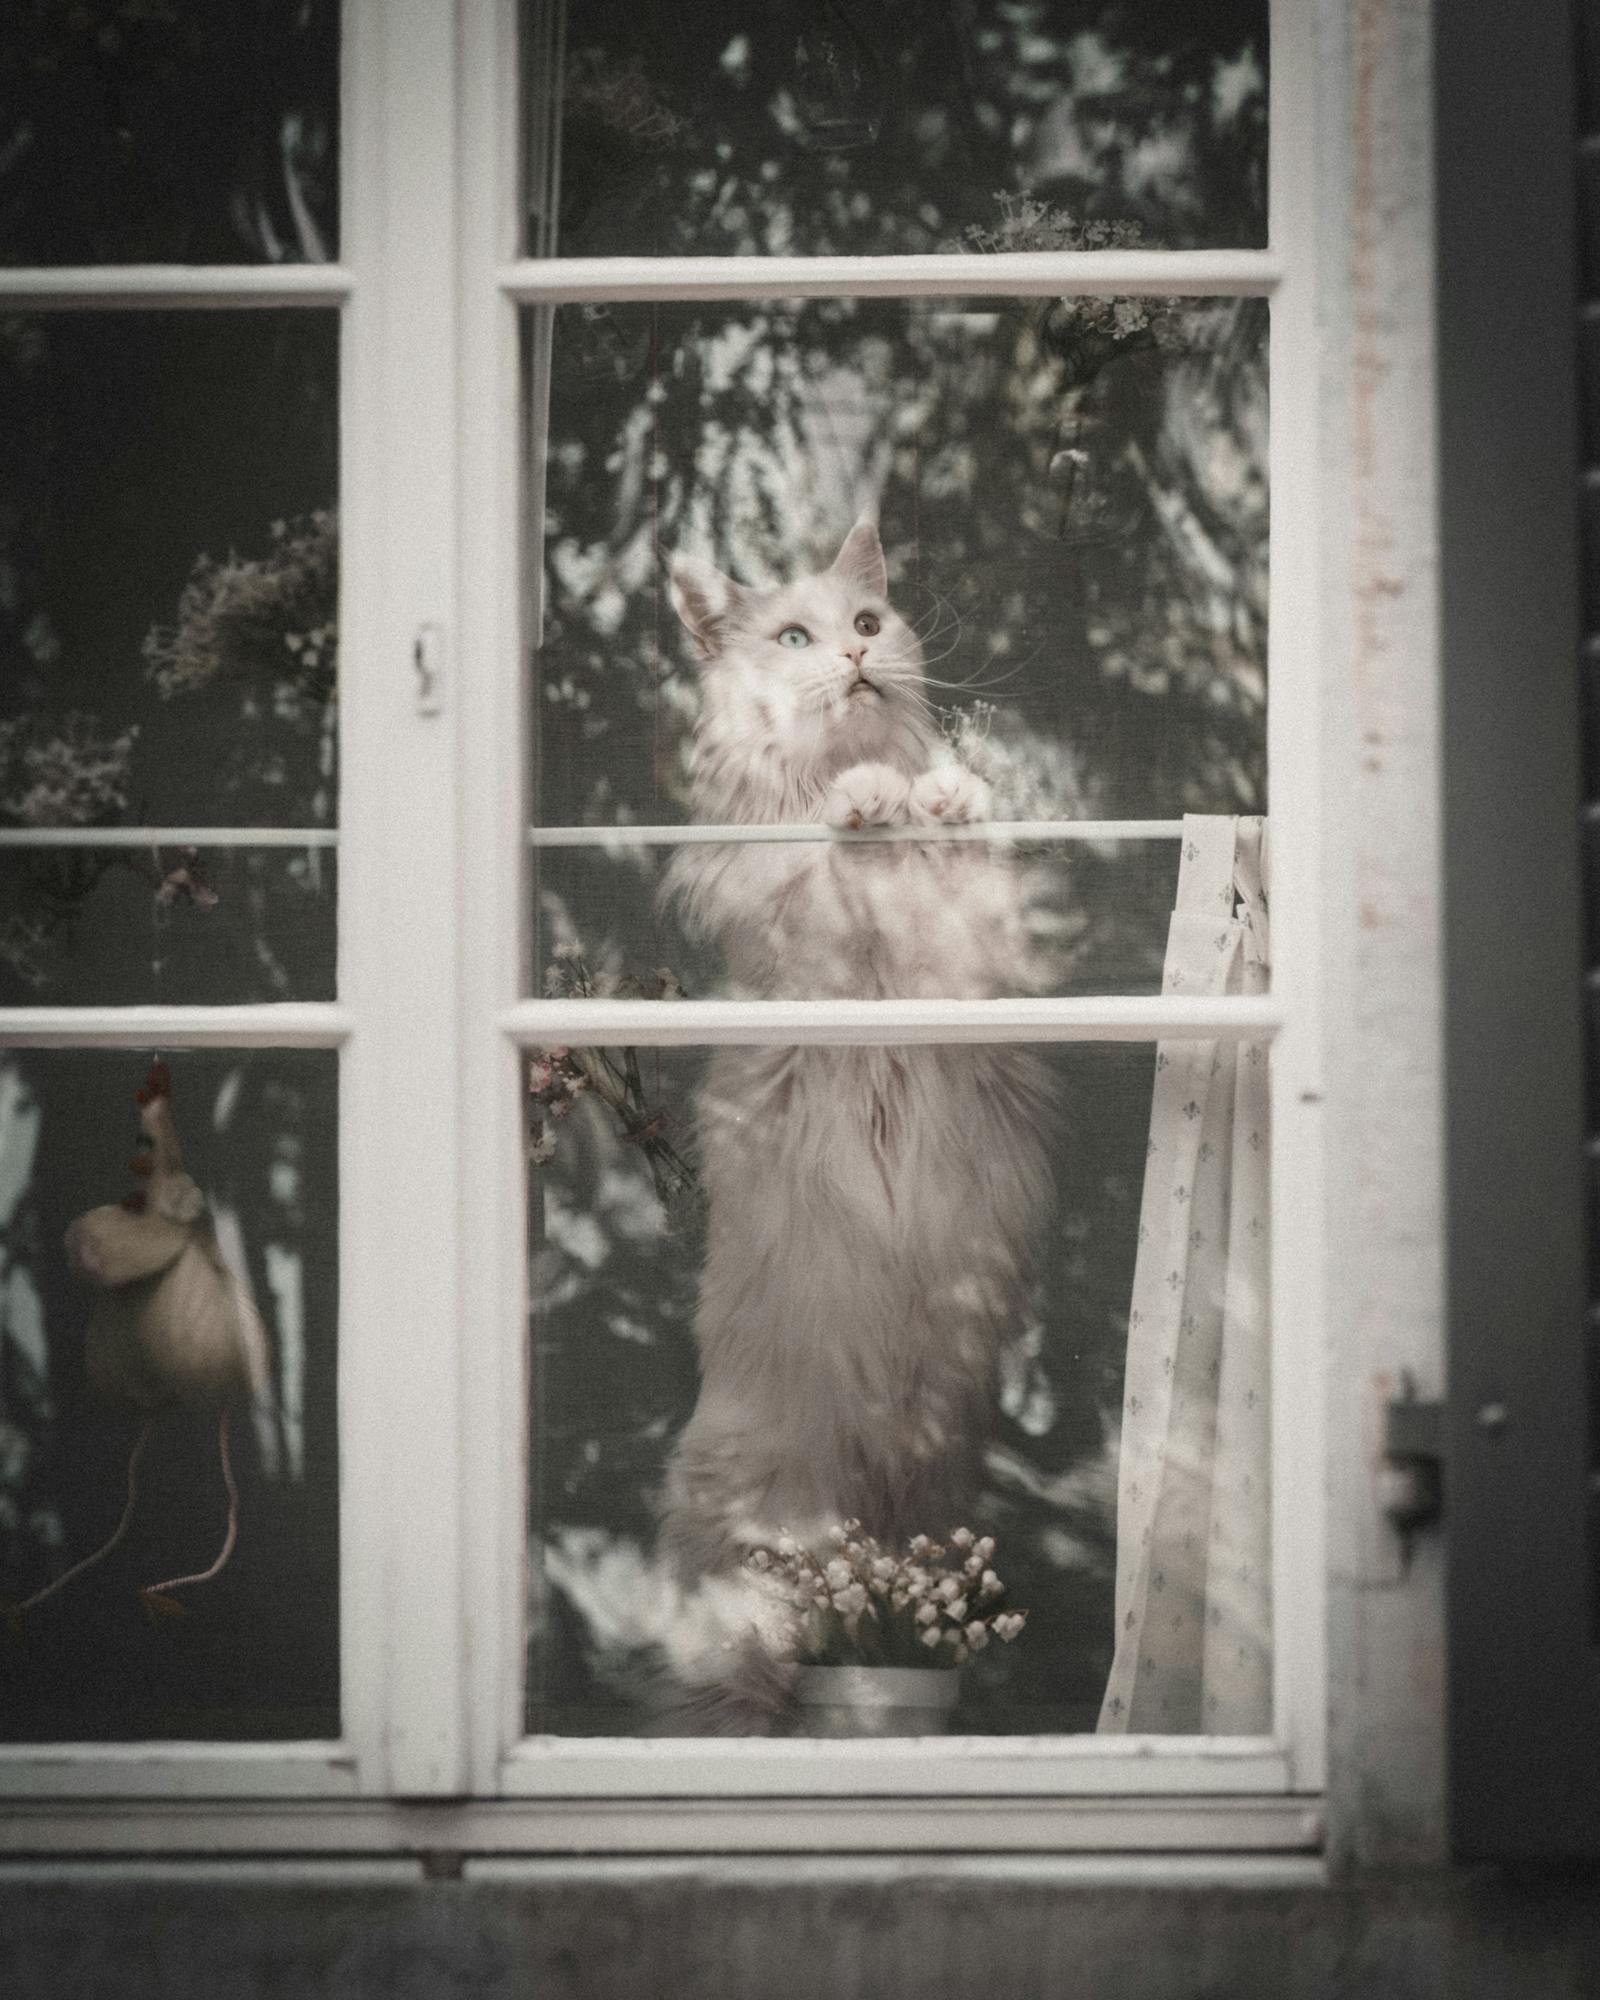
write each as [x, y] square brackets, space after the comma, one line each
[1086, 332]
[267, 624]
[1029, 775]
[270, 618]
[1025, 223]
[61, 770]
[66, 771]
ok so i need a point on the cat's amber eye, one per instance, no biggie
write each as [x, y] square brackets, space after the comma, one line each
[868, 624]
[794, 635]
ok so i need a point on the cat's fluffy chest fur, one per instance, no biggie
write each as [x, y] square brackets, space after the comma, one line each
[874, 1213]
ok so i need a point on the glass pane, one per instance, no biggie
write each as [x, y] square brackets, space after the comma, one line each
[81, 926]
[168, 635]
[893, 126]
[136, 1309]
[1067, 600]
[1019, 1292]
[968, 919]
[170, 133]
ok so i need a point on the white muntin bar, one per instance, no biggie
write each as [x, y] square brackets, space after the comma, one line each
[154, 287]
[276, 1024]
[870, 1023]
[168, 836]
[507, 167]
[961, 274]
[1006, 832]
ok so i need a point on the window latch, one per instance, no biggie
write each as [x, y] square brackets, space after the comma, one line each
[427, 656]
[1411, 1475]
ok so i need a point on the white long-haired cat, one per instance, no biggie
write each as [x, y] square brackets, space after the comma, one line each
[874, 1213]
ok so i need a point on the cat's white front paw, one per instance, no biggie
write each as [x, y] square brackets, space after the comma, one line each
[949, 795]
[866, 795]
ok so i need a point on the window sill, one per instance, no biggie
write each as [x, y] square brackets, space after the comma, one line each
[1204, 1828]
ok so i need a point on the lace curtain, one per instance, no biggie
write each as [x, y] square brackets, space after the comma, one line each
[1193, 1555]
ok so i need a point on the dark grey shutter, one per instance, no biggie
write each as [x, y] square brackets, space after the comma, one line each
[1520, 593]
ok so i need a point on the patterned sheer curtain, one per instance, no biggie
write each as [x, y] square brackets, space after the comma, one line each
[1192, 1639]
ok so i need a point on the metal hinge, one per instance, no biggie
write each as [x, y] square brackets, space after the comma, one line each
[1411, 1477]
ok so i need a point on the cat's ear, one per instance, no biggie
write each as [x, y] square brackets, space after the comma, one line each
[705, 600]
[861, 558]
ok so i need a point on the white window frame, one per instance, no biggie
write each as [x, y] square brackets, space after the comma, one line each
[436, 530]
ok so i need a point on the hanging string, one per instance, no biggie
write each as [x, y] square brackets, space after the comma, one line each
[158, 1590]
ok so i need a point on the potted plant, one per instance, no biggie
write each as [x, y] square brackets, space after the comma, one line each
[876, 1637]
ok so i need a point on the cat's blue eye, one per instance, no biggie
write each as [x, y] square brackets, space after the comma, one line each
[794, 635]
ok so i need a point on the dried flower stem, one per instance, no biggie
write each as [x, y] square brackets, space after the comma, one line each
[559, 1076]
[117, 1534]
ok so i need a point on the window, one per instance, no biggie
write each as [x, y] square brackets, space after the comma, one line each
[605, 294]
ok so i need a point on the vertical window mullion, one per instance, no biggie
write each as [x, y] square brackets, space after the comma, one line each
[401, 1177]
[1302, 864]
[494, 732]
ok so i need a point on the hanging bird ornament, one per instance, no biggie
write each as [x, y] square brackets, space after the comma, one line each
[172, 1328]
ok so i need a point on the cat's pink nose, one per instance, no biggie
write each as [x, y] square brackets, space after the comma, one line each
[855, 655]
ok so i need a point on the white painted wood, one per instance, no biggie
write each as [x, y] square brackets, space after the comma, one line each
[947, 1767]
[168, 836]
[224, 1871]
[1005, 274]
[495, 709]
[271, 1024]
[164, 287]
[175, 1771]
[1000, 832]
[1301, 1244]
[364, 666]
[401, 1174]
[861, 1023]
[929, 1825]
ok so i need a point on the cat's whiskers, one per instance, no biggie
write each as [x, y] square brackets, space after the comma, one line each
[941, 618]
[939, 658]
[941, 604]
[1002, 680]
[983, 685]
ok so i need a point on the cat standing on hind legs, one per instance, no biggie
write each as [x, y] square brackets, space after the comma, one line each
[874, 1214]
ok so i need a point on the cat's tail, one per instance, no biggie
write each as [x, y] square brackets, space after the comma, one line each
[734, 1682]
[741, 1691]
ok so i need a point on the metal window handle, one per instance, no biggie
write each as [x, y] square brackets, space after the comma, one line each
[427, 656]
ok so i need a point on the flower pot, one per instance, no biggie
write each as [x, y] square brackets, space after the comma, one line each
[874, 1701]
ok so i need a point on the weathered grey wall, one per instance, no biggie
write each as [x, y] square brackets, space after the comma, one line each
[772, 1934]
[1381, 930]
